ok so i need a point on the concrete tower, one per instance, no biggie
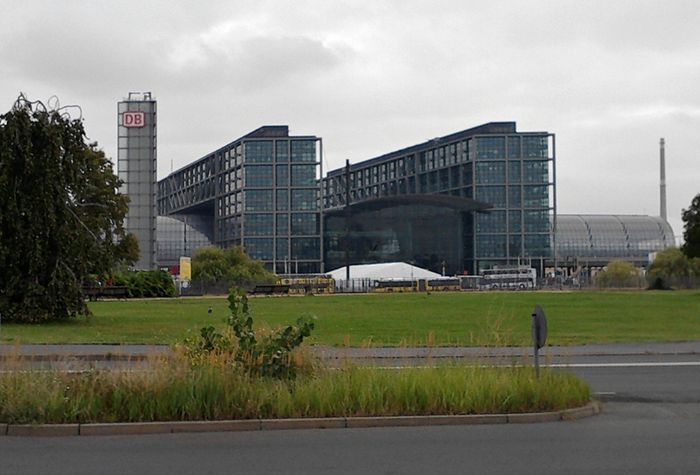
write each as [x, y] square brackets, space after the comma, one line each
[662, 182]
[136, 166]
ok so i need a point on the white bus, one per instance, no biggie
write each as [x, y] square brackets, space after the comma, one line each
[509, 278]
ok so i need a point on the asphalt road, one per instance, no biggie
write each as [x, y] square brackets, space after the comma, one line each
[638, 438]
[650, 425]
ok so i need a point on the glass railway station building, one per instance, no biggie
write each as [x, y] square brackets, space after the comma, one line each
[457, 204]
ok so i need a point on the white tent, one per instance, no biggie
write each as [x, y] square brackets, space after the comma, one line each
[384, 271]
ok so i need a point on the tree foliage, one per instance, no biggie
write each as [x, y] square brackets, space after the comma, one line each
[212, 264]
[127, 251]
[671, 268]
[60, 214]
[691, 229]
[618, 274]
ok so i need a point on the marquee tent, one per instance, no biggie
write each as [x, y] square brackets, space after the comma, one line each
[385, 271]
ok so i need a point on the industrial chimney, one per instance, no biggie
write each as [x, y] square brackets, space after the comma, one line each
[662, 182]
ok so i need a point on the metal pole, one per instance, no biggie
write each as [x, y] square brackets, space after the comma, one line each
[347, 220]
[321, 198]
[554, 224]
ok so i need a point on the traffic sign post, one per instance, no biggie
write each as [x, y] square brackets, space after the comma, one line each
[539, 334]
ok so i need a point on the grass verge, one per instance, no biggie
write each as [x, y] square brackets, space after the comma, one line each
[457, 319]
[178, 392]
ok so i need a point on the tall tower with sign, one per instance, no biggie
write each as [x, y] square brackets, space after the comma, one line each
[136, 166]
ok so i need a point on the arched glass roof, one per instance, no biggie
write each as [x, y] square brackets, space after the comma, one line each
[608, 237]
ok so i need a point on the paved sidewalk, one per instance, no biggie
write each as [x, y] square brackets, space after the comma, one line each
[102, 351]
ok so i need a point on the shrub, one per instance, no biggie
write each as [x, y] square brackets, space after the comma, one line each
[258, 354]
[153, 283]
[618, 274]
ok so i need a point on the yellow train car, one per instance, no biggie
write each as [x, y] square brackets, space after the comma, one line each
[443, 285]
[308, 284]
[394, 286]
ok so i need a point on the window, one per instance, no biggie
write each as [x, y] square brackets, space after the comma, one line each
[282, 197]
[490, 147]
[282, 227]
[258, 175]
[490, 172]
[495, 195]
[536, 196]
[304, 200]
[258, 200]
[282, 249]
[536, 221]
[493, 222]
[514, 200]
[303, 175]
[535, 146]
[514, 172]
[304, 224]
[281, 175]
[258, 151]
[535, 171]
[513, 147]
[258, 224]
[281, 152]
[491, 245]
[303, 151]
[514, 224]
[306, 248]
[537, 245]
[259, 248]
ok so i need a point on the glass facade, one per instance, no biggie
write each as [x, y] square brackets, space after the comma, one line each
[405, 233]
[263, 191]
[177, 238]
[493, 163]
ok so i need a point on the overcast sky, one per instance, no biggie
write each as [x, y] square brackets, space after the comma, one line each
[609, 78]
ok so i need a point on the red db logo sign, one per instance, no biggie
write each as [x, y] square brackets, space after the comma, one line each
[134, 119]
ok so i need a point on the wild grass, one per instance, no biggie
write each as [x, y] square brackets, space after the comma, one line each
[174, 390]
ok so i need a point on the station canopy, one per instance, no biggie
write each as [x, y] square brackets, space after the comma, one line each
[385, 271]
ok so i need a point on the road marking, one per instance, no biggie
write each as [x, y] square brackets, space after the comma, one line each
[650, 364]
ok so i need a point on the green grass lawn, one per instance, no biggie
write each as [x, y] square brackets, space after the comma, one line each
[479, 318]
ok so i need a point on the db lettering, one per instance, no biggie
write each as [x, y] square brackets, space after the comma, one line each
[134, 119]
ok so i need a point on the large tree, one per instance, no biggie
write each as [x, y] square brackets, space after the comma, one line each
[60, 213]
[691, 229]
[212, 264]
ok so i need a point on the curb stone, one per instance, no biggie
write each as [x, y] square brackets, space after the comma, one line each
[313, 423]
[43, 430]
[140, 428]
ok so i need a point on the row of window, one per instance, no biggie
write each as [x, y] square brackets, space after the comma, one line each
[279, 175]
[296, 224]
[267, 151]
[261, 200]
[283, 249]
[486, 173]
[487, 148]
[502, 245]
[495, 221]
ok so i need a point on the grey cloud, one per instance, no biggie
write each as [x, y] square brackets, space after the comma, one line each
[254, 64]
